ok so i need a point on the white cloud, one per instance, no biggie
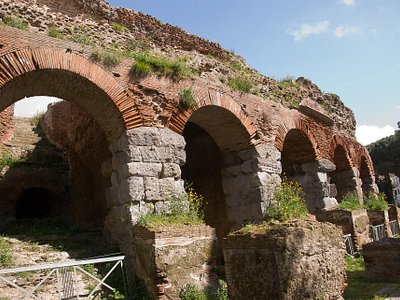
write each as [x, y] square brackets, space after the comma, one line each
[342, 31]
[304, 30]
[367, 134]
[347, 2]
[29, 106]
[398, 107]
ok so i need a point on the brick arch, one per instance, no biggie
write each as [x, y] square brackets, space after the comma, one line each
[59, 73]
[340, 141]
[365, 161]
[212, 99]
[301, 125]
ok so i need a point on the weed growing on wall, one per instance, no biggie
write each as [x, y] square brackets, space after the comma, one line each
[146, 64]
[14, 22]
[240, 83]
[118, 27]
[107, 59]
[81, 35]
[9, 159]
[376, 202]
[35, 120]
[55, 33]
[185, 209]
[6, 259]
[186, 98]
[350, 201]
[289, 202]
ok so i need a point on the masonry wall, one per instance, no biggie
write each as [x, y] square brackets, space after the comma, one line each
[6, 124]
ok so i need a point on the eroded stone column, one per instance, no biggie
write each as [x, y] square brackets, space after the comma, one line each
[144, 170]
[248, 180]
[347, 181]
[314, 180]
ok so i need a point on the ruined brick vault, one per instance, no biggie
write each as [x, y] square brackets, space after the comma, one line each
[233, 146]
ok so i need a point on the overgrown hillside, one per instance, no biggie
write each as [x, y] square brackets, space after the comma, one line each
[385, 154]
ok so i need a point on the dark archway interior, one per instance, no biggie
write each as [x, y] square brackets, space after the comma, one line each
[342, 165]
[34, 202]
[297, 149]
[203, 172]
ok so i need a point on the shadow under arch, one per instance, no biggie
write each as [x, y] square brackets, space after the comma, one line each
[343, 171]
[366, 176]
[217, 148]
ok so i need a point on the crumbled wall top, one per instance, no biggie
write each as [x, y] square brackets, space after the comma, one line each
[112, 28]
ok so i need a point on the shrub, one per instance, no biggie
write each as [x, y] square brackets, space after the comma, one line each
[222, 290]
[15, 22]
[134, 45]
[288, 82]
[192, 292]
[146, 64]
[350, 201]
[35, 120]
[187, 100]
[186, 209]
[241, 84]
[376, 202]
[289, 202]
[118, 27]
[55, 33]
[292, 102]
[7, 158]
[6, 259]
[109, 60]
[80, 35]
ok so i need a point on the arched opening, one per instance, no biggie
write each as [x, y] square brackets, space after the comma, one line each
[89, 120]
[33, 203]
[367, 180]
[343, 173]
[217, 146]
[299, 164]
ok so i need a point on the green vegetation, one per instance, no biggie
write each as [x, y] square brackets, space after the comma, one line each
[376, 202]
[186, 209]
[135, 45]
[186, 99]
[385, 154]
[288, 82]
[55, 33]
[350, 201]
[240, 83]
[81, 35]
[360, 286]
[107, 59]
[289, 202]
[35, 120]
[146, 64]
[291, 101]
[192, 292]
[6, 259]
[14, 22]
[118, 27]
[9, 159]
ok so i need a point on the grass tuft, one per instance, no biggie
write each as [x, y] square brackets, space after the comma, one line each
[107, 59]
[6, 259]
[178, 210]
[376, 202]
[186, 99]
[15, 22]
[146, 64]
[350, 202]
[55, 33]
[289, 202]
[241, 84]
[118, 27]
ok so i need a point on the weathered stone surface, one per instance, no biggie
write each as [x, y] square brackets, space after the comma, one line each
[354, 222]
[171, 258]
[298, 260]
[381, 259]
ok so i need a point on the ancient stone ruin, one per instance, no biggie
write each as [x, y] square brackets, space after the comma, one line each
[130, 140]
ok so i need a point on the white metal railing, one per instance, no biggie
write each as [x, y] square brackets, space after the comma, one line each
[394, 226]
[378, 232]
[348, 241]
[65, 274]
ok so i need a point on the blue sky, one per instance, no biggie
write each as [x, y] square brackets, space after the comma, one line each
[347, 47]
